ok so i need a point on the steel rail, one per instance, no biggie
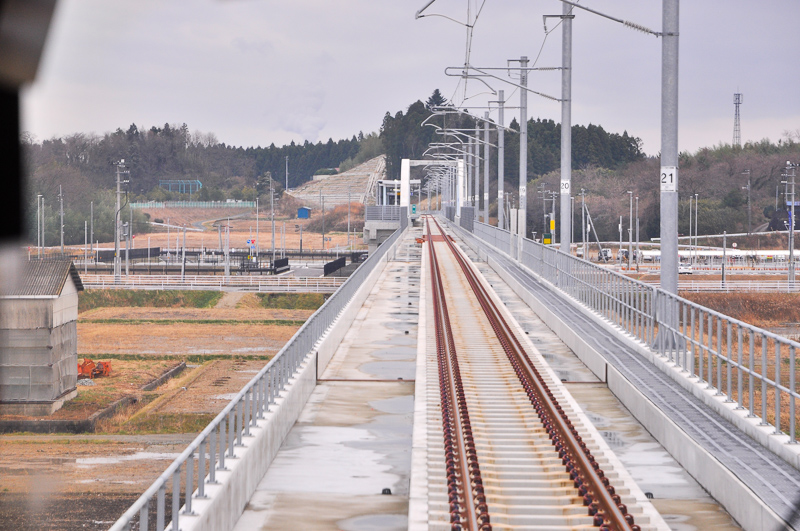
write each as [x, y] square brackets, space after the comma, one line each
[469, 508]
[598, 494]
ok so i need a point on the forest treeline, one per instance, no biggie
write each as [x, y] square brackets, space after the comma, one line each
[605, 165]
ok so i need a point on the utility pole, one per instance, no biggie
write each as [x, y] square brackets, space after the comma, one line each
[91, 227]
[126, 233]
[583, 223]
[287, 173]
[486, 167]
[793, 168]
[348, 212]
[257, 247]
[523, 153]
[128, 240]
[476, 170]
[476, 154]
[85, 245]
[43, 240]
[630, 230]
[690, 229]
[668, 177]
[724, 254]
[227, 249]
[696, 223]
[61, 207]
[183, 256]
[501, 150]
[543, 191]
[272, 208]
[39, 215]
[638, 254]
[749, 213]
[566, 126]
[117, 258]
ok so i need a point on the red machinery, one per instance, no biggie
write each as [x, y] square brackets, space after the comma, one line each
[90, 369]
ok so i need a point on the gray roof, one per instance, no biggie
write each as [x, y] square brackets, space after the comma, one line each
[41, 278]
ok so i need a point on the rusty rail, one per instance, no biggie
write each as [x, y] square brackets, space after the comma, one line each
[598, 494]
[466, 498]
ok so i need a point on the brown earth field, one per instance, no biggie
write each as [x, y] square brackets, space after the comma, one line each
[243, 227]
[86, 481]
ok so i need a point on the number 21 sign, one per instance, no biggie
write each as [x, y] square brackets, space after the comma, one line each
[669, 178]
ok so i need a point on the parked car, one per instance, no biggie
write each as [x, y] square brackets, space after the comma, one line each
[684, 269]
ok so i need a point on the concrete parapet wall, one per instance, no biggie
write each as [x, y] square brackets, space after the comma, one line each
[737, 498]
[235, 486]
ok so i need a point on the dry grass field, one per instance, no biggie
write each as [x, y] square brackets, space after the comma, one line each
[85, 481]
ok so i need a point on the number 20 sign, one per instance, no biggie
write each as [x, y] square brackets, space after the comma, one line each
[669, 178]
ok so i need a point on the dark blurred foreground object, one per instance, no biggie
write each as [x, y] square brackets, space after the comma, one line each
[23, 29]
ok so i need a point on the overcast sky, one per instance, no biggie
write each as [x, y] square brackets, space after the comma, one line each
[256, 72]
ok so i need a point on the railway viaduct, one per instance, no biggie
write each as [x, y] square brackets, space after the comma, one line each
[451, 383]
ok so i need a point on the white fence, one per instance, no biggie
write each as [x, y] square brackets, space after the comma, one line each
[257, 283]
[746, 365]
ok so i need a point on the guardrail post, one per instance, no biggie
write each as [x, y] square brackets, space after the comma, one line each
[763, 381]
[793, 387]
[176, 499]
[161, 508]
[231, 429]
[246, 413]
[143, 517]
[710, 351]
[239, 422]
[751, 381]
[777, 387]
[201, 470]
[189, 483]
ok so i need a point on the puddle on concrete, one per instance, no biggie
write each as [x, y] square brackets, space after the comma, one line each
[613, 439]
[390, 370]
[375, 522]
[402, 327]
[395, 353]
[397, 405]
[326, 459]
[90, 461]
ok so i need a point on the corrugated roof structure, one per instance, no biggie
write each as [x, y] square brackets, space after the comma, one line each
[41, 279]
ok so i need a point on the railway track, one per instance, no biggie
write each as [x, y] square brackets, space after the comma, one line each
[507, 450]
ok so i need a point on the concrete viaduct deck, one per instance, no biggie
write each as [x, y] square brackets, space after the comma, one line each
[343, 445]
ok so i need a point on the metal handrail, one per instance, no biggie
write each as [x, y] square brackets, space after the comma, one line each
[219, 439]
[200, 282]
[718, 350]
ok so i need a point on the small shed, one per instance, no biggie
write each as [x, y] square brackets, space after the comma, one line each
[39, 337]
[303, 213]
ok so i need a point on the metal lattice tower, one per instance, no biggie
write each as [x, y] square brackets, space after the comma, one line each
[737, 129]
